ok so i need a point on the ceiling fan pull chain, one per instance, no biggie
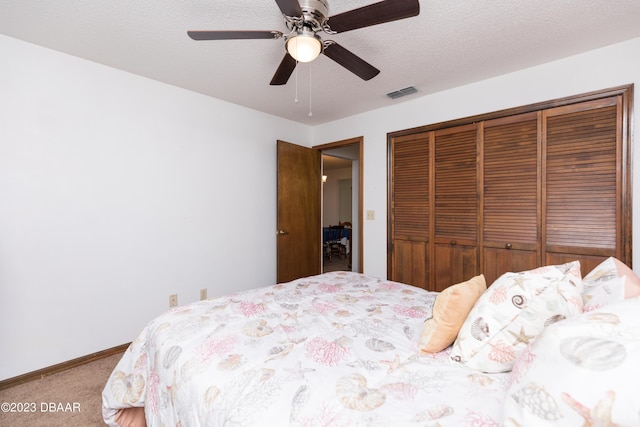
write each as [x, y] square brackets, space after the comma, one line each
[296, 71]
[310, 113]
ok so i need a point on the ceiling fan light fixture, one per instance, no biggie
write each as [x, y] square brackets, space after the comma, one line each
[304, 46]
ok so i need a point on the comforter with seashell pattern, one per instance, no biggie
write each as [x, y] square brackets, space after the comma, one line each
[336, 349]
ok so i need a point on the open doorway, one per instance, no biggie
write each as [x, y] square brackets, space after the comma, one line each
[341, 206]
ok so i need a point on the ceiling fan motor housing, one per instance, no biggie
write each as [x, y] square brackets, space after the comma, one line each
[314, 12]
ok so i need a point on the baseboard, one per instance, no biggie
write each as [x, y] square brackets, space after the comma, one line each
[60, 367]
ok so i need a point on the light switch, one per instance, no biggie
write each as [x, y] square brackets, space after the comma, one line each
[371, 215]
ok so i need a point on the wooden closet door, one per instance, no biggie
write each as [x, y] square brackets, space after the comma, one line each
[410, 214]
[583, 183]
[455, 206]
[511, 194]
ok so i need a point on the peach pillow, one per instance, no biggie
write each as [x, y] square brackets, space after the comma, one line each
[610, 282]
[451, 308]
[632, 282]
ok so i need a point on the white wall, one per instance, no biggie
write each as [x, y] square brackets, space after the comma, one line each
[116, 191]
[599, 69]
[331, 195]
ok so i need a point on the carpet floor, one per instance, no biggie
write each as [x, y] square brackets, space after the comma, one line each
[69, 398]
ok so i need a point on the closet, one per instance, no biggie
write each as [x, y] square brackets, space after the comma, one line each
[512, 190]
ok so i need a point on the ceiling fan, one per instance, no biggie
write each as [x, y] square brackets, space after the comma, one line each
[306, 18]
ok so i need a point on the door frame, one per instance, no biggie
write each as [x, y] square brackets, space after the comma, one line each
[359, 141]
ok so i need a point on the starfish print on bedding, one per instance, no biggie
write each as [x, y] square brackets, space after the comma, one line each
[298, 372]
[393, 364]
[521, 337]
[599, 415]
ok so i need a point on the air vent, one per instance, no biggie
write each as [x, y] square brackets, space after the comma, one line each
[402, 92]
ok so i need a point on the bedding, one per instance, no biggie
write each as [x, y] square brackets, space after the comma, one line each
[338, 349]
[582, 371]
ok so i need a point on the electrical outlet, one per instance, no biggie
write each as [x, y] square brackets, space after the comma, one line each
[173, 300]
[203, 293]
[371, 215]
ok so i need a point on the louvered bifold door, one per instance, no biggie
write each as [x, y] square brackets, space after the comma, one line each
[511, 193]
[582, 182]
[455, 206]
[409, 201]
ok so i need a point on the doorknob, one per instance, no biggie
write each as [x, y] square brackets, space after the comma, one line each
[282, 233]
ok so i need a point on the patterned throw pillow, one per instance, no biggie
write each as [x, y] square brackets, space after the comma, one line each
[450, 309]
[608, 283]
[581, 371]
[513, 311]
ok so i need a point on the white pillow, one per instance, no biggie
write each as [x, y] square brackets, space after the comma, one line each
[513, 311]
[581, 371]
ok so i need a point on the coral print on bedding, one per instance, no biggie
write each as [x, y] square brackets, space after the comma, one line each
[338, 349]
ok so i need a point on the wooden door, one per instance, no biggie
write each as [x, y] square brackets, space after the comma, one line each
[409, 216]
[455, 206]
[511, 194]
[583, 183]
[299, 225]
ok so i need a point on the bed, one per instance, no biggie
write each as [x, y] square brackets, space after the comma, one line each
[347, 349]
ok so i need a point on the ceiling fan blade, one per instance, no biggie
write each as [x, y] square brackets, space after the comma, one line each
[373, 14]
[350, 61]
[289, 7]
[284, 71]
[233, 35]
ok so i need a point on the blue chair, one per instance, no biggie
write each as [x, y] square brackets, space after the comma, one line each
[333, 245]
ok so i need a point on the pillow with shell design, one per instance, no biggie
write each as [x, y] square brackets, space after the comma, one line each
[611, 281]
[513, 311]
[580, 371]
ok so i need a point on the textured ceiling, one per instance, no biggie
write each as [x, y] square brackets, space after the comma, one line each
[451, 42]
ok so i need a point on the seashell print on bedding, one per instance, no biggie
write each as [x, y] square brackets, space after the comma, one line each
[554, 319]
[592, 353]
[376, 344]
[434, 413]
[519, 301]
[288, 306]
[343, 313]
[409, 333]
[400, 390]
[345, 298]
[231, 362]
[171, 356]
[353, 393]
[479, 329]
[211, 395]
[604, 318]
[127, 389]
[257, 328]
[300, 398]
[536, 400]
